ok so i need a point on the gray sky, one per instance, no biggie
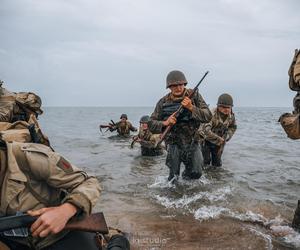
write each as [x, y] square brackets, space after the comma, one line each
[118, 52]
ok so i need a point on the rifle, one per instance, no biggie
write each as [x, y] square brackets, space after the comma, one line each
[134, 140]
[109, 126]
[220, 151]
[93, 223]
[180, 110]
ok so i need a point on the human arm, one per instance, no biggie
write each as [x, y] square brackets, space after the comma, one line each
[82, 190]
[231, 128]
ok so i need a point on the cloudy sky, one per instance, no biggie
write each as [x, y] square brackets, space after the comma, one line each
[118, 52]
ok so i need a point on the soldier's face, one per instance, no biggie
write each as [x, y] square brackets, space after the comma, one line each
[123, 119]
[144, 126]
[224, 109]
[177, 90]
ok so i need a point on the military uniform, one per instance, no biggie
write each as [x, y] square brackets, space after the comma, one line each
[213, 132]
[181, 141]
[149, 143]
[18, 106]
[33, 177]
[123, 128]
[25, 107]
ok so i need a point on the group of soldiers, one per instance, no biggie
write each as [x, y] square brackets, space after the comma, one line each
[197, 136]
[36, 180]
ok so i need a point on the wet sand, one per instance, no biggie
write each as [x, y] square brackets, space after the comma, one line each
[246, 204]
[149, 231]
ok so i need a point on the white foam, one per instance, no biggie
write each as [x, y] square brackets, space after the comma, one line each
[209, 212]
[266, 237]
[249, 216]
[217, 195]
[293, 238]
[161, 182]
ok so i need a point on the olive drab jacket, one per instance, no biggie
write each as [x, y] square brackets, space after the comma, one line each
[149, 140]
[7, 105]
[220, 124]
[123, 128]
[33, 177]
[183, 132]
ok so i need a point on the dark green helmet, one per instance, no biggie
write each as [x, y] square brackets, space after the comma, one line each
[175, 77]
[124, 116]
[145, 119]
[225, 100]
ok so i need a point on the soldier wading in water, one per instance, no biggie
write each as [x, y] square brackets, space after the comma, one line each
[218, 131]
[123, 127]
[291, 122]
[181, 141]
[148, 141]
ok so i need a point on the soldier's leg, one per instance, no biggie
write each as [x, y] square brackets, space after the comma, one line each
[206, 153]
[193, 162]
[216, 155]
[75, 240]
[296, 220]
[9, 244]
[173, 161]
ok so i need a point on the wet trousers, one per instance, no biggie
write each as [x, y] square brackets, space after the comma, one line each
[75, 240]
[211, 154]
[190, 155]
[151, 151]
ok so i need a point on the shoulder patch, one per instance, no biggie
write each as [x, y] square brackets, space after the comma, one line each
[65, 165]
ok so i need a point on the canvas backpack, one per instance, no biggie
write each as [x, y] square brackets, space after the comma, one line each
[294, 72]
[291, 125]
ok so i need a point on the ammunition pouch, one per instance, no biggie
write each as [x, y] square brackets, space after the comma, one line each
[291, 125]
[169, 108]
[22, 131]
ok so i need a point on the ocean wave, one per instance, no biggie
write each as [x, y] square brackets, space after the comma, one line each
[266, 237]
[209, 212]
[184, 202]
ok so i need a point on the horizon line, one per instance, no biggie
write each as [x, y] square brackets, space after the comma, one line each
[75, 106]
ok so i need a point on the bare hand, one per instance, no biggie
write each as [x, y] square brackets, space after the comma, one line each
[222, 141]
[51, 220]
[170, 121]
[187, 103]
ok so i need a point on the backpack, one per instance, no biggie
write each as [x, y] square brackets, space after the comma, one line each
[22, 131]
[294, 72]
[29, 101]
[291, 125]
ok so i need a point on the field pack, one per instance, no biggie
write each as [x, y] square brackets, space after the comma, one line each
[294, 72]
[291, 125]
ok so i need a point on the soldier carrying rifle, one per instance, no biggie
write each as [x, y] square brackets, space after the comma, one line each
[218, 131]
[54, 193]
[123, 127]
[181, 142]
